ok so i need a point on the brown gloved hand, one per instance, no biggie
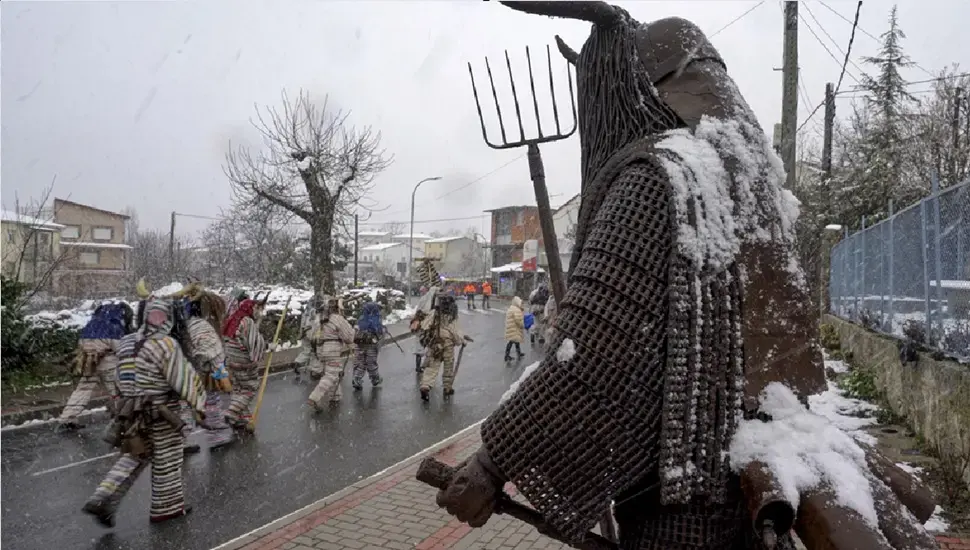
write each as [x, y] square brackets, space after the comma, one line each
[474, 490]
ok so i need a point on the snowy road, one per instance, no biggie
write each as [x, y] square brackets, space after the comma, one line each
[295, 459]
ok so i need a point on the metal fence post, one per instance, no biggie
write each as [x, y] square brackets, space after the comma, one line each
[862, 269]
[937, 231]
[926, 274]
[845, 270]
[892, 267]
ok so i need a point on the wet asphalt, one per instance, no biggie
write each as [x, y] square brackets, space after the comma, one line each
[295, 458]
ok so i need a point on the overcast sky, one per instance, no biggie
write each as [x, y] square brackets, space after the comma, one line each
[134, 103]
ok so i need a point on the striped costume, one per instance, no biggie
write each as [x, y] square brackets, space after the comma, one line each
[244, 352]
[104, 376]
[207, 356]
[331, 340]
[152, 371]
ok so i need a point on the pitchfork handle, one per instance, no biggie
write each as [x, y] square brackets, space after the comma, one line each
[438, 475]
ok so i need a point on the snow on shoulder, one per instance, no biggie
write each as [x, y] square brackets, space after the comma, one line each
[718, 209]
[804, 450]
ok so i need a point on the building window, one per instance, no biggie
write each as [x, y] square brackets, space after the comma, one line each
[71, 232]
[102, 233]
[89, 258]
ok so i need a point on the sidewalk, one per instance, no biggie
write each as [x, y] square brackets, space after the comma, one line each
[392, 510]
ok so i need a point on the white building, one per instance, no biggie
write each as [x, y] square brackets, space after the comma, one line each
[564, 220]
[386, 259]
[367, 238]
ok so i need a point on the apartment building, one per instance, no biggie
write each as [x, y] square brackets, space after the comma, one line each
[31, 248]
[511, 227]
[95, 251]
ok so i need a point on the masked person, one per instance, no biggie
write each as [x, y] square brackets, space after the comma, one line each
[537, 306]
[203, 322]
[330, 341]
[675, 335]
[244, 348]
[306, 359]
[440, 335]
[95, 359]
[153, 376]
[370, 330]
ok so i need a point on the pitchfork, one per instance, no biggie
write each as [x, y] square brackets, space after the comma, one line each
[536, 170]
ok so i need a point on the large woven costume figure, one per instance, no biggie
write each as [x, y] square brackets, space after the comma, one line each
[244, 348]
[684, 302]
[153, 376]
[95, 360]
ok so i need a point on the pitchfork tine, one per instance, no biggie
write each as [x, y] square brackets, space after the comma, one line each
[515, 96]
[478, 105]
[552, 92]
[498, 110]
[535, 101]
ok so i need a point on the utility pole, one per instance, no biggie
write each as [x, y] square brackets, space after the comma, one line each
[356, 242]
[789, 95]
[171, 247]
[956, 134]
[827, 147]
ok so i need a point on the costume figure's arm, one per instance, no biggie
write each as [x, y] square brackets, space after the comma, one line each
[571, 439]
[255, 343]
[180, 374]
[344, 331]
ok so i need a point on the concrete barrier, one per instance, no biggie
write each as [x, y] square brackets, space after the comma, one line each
[934, 396]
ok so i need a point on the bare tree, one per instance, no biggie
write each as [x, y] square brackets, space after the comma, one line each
[149, 258]
[395, 228]
[30, 252]
[314, 166]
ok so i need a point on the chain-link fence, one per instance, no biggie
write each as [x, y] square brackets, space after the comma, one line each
[909, 275]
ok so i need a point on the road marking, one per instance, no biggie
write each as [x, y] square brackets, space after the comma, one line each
[71, 465]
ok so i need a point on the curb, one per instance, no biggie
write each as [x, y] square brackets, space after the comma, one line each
[277, 524]
[50, 412]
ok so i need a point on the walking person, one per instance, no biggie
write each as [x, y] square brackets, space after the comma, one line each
[514, 326]
[244, 348]
[329, 343]
[486, 295]
[95, 359]
[370, 330]
[153, 376]
[470, 295]
[537, 306]
[440, 334]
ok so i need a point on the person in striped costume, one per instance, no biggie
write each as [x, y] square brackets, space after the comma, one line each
[153, 376]
[370, 330]
[203, 314]
[330, 339]
[244, 348]
[96, 359]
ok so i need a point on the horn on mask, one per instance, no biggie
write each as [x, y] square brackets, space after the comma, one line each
[599, 13]
[567, 52]
[142, 289]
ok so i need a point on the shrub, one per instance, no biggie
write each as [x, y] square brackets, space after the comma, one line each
[26, 347]
[860, 383]
[829, 337]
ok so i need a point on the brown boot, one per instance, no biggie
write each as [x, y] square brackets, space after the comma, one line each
[101, 511]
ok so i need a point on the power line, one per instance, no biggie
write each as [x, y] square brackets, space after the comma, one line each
[826, 48]
[480, 178]
[855, 25]
[937, 79]
[736, 19]
[867, 33]
[429, 221]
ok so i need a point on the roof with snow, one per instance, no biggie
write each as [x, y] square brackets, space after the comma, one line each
[447, 239]
[514, 266]
[108, 212]
[95, 245]
[36, 223]
[414, 236]
[380, 246]
[372, 233]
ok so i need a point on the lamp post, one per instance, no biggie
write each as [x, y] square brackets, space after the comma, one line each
[411, 234]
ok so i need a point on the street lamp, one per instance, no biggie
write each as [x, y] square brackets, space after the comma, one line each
[411, 235]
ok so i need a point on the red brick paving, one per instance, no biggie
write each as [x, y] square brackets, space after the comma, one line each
[396, 512]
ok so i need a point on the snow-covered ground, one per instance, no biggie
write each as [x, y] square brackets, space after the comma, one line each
[78, 316]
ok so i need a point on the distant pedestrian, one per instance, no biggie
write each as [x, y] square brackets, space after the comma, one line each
[370, 329]
[486, 295]
[470, 295]
[514, 326]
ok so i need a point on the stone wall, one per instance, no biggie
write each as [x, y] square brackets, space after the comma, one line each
[934, 396]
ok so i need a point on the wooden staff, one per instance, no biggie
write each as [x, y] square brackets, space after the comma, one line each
[269, 359]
